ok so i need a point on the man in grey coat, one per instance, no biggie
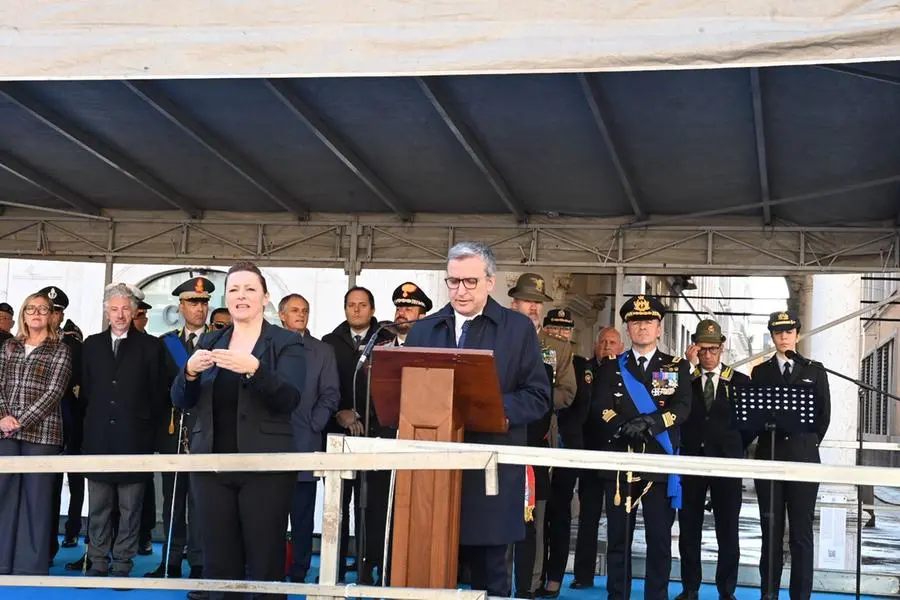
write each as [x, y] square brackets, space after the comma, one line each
[318, 403]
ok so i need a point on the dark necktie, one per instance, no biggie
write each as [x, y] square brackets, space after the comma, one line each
[116, 343]
[642, 366]
[357, 339]
[709, 390]
[787, 371]
[191, 342]
[461, 342]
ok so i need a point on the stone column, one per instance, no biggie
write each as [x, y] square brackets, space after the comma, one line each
[838, 348]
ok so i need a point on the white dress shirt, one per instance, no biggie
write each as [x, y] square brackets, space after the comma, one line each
[781, 361]
[717, 371]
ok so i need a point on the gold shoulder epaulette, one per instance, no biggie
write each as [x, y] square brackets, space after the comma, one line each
[726, 373]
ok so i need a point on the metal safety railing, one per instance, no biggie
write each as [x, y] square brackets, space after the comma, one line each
[345, 455]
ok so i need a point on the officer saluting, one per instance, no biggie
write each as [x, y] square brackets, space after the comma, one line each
[643, 395]
[709, 431]
[796, 498]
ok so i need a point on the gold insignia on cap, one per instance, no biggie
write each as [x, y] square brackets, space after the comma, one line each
[782, 316]
[407, 289]
[668, 419]
[711, 329]
[198, 286]
[608, 415]
[52, 294]
[562, 314]
[641, 304]
[539, 285]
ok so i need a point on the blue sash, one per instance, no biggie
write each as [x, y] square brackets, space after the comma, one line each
[176, 349]
[645, 405]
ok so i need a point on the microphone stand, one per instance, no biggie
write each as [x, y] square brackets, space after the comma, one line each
[862, 388]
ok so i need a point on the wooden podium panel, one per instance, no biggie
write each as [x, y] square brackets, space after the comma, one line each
[432, 394]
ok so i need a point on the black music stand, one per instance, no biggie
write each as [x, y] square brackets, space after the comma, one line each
[785, 409]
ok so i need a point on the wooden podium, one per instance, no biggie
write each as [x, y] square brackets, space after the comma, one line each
[432, 394]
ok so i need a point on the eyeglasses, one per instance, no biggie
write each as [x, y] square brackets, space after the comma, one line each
[41, 310]
[219, 325]
[470, 283]
[715, 350]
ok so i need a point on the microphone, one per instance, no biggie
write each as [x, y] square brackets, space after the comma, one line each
[371, 343]
[792, 355]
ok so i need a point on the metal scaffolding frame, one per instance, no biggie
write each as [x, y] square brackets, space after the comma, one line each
[355, 242]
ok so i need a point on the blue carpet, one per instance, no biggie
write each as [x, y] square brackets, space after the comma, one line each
[144, 564]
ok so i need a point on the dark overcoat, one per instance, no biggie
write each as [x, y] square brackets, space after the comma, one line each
[319, 400]
[495, 520]
[124, 397]
[712, 431]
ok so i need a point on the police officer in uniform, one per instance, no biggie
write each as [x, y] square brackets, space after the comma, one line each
[796, 499]
[571, 421]
[193, 304]
[710, 431]
[643, 395]
[73, 424]
[411, 303]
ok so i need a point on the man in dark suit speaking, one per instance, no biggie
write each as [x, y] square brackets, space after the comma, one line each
[488, 524]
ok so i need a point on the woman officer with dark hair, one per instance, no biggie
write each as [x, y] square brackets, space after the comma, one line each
[243, 382]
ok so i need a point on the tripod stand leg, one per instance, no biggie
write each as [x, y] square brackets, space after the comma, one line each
[773, 585]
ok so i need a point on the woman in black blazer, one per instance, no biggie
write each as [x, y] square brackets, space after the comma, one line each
[243, 382]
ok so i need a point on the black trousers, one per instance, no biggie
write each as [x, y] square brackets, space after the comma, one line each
[658, 519]
[725, 494]
[559, 522]
[185, 529]
[524, 556]
[591, 499]
[303, 509]
[487, 565]
[243, 522]
[797, 500]
[378, 486]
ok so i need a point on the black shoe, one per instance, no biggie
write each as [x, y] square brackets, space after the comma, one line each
[196, 573]
[160, 572]
[79, 565]
[145, 548]
[543, 592]
[70, 542]
[581, 585]
[197, 595]
[688, 595]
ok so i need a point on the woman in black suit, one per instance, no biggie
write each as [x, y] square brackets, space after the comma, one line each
[243, 382]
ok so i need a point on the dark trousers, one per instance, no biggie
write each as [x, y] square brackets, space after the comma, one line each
[185, 528]
[243, 521]
[303, 509]
[103, 498]
[25, 506]
[591, 499]
[797, 500]
[725, 494]
[524, 555]
[487, 566]
[559, 522]
[148, 512]
[378, 484]
[658, 519]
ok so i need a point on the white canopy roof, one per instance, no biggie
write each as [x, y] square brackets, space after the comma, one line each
[98, 39]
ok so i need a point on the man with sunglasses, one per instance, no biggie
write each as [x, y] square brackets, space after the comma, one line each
[193, 304]
[219, 318]
[709, 431]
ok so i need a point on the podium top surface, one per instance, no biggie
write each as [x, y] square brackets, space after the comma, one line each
[476, 386]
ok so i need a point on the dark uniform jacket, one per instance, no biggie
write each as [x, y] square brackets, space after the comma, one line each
[124, 395]
[616, 407]
[319, 400]
[537, 435]
[265, 400]
[494, 520]
[346, 354]
[71, 404]
[167, 428]
[572, 419]
[713, 432]
[801, 447]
